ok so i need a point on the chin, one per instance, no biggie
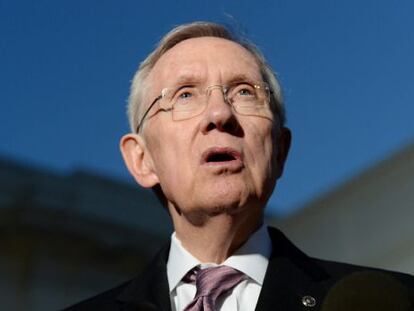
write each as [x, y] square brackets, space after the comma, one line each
[229, 208]
[226, 201]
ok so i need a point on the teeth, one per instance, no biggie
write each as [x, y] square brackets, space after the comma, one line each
[220, 157]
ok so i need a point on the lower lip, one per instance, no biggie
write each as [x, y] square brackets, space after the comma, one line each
[231, 165]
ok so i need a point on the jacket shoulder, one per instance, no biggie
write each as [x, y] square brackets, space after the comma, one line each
[105, 301]
[340, 270]
[140, 293]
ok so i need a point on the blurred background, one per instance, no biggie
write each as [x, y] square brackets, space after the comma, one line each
[73, 223]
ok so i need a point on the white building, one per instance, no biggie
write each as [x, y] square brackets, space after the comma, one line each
[369, 220]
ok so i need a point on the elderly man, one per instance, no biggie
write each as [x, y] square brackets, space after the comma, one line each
[208, 136]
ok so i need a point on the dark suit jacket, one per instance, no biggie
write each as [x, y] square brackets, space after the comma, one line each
[290, 276]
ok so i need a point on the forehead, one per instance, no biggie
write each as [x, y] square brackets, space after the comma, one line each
[205, 60]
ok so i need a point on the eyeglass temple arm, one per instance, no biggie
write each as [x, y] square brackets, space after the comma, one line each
[146, 112]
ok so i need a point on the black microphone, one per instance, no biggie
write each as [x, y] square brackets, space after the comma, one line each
[366, 291]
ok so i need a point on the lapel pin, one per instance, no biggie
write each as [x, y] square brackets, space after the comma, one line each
[308, 301]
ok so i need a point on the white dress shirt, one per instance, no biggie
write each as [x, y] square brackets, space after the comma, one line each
[251, 259]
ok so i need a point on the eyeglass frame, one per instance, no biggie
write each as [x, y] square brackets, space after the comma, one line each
[223, 87]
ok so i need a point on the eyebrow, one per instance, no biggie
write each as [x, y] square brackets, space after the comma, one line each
[239, 78]
[191, 78]
[187, 78]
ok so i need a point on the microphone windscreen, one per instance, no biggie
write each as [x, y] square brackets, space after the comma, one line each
[366, 291]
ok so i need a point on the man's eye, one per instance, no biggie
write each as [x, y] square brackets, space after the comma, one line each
[185, 95]
[245, 92]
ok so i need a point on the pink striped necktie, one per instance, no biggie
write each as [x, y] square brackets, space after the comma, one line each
[211, 283]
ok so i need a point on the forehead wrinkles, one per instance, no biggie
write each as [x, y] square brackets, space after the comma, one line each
[201, 59]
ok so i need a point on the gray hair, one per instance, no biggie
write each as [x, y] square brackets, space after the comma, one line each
[196, 30]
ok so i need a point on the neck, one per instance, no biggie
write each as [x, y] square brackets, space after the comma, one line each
[217, 237]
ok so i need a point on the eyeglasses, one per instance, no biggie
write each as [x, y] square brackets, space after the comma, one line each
[188, 101]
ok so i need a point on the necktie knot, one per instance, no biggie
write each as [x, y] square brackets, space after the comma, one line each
[211, 283]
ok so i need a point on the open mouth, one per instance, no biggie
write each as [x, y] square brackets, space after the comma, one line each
[220, 155]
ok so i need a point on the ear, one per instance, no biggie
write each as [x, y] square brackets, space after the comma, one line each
[283, 143]
[138, 160]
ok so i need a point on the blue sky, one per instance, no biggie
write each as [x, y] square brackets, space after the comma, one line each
[347, 69]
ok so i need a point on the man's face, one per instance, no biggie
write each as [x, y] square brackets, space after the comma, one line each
[219, 160]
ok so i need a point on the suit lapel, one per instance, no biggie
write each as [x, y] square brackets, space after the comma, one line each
[149, 291]
[291, 275]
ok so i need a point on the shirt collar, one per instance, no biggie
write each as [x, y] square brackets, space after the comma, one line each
[180, 261]
[251, 258]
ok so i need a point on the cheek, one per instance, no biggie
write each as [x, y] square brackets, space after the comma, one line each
[170, 157]
[263, 144]
[262, 151]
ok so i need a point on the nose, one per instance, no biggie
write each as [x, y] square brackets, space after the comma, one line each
[219, 114]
